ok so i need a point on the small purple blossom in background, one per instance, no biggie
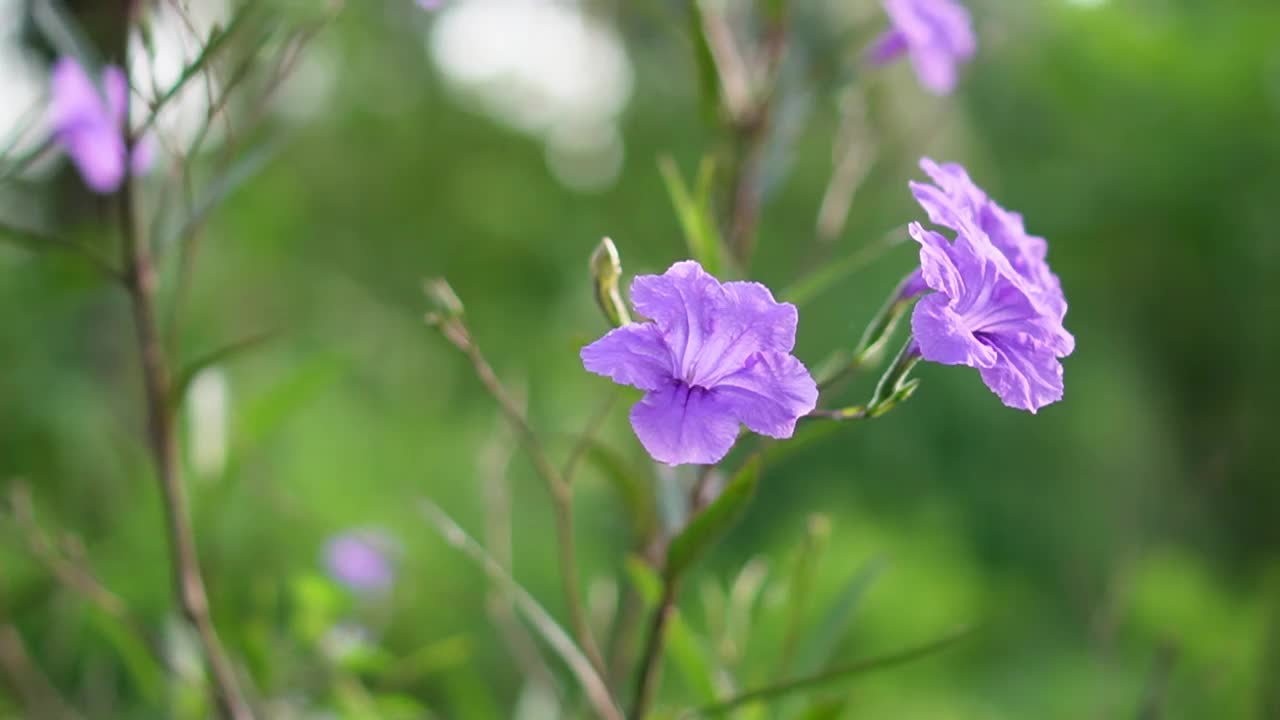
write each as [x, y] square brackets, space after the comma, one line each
[936, 34]
[430, 4]
[997, 306]
[90, 125]
[715, 356]
[361, 560]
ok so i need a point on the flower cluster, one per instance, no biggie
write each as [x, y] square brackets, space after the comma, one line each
[714, 356]
[997, 306]
[89, 122]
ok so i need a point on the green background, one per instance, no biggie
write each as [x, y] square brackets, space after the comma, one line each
[1131, 523]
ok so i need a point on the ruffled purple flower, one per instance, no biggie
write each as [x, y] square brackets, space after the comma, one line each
[936, 34]
[361, 560]
[997, 306]
[714, 357]
[89, 124]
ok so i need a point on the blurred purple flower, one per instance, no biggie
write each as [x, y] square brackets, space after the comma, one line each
[89, 124]
[361, 560]
[998, 307]
[936, 34]
[430, 4]
[716, 355]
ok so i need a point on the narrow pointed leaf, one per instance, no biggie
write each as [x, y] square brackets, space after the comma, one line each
[822, 641]
[691, 659]
[832, 273]
[222, 354]
[712, 523]
[835, 675]
[555, 636]
[694, 214]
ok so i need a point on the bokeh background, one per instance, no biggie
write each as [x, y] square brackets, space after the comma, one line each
[1120, 549]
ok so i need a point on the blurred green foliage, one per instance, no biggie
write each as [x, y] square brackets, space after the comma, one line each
[1132, 522]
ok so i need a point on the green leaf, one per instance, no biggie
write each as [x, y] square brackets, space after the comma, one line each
[822, 641]
[214, 357]
[705, 62]
[434, 657]
[817, 535]
[709, 525]
[400, 707]
[895, 386]
[148, 677]
[691, 659]
[267, 412]
[842, 673]
[245, 168]
[317, 605]
[634, 487]
[813, 285]
[825, 709]
[644, 579]
[65, 35]
[694, 213]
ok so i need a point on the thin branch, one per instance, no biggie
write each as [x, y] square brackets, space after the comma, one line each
[834, 674]
[36, 240]
[650, 671]
[651, 659]
[585, 438]
[591, 681]
[751, 119]
[854, 149]
[495, 461]
[37, 693]
[854, 412]
[74, 573]
[455, 331]
[140, 281]
[216, 41]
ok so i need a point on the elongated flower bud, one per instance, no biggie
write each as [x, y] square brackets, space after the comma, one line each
[606, 270]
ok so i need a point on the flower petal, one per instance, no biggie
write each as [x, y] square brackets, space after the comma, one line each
[1027, 376]
[936, 265]
[887, 48]
[98, 153]
[942, 337]
[935, 69]
[116, 86]
[939, 34]
[711, 328]
[73, 96]
[769, 394]
[678, 424]
[631, 355]
[683, 303]
[83, 125]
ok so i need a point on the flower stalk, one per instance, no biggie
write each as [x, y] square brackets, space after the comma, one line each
[450, 321]
[140, 282]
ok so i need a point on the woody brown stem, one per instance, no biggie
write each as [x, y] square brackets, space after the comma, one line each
[189, 588]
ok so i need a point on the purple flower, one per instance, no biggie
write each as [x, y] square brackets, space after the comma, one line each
[716, 355]
[429, 4]
[998, 307]
[936, 34]
[89, 124]
[361, 560]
